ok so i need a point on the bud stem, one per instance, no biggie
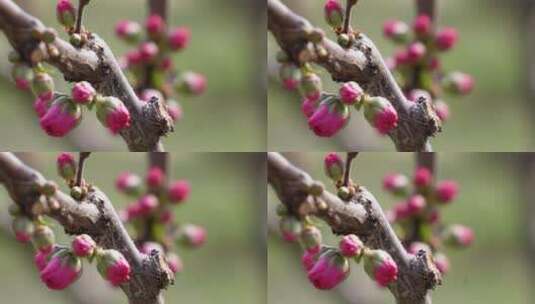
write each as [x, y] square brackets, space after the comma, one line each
[80, 171]
[81, 8]
[349, 159]
[347, 19]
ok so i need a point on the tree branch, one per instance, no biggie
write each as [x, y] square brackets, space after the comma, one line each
[94, 62]
[427, 7]
[361, 63]
[95, 216]
[362, 216]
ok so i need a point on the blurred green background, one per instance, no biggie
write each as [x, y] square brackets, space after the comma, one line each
[225, 46]
[494, 270]
[228, 198]
[493, 118]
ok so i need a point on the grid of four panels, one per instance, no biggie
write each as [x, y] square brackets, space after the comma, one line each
[267, 151]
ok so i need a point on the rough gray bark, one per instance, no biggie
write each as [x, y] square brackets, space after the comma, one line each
[95, 216]
[362, 216]
[94, 62]
[364, 64]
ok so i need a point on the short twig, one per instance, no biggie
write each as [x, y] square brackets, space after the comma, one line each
[79, 18]
[80, 171]
[347, 19]
[349, 159]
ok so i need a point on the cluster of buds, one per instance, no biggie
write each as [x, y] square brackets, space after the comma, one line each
[417, 64]
[418, 214]
[60, 266]
[149, 66]
[327, 266]
[61, 113]
[328, 113]
[153, 211]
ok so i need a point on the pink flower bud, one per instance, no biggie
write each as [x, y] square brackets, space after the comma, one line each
[310, 238]
[179, 38]
[43, 238]
[132, 211]
[148, 94]
[62, 116]
[459, 83]
[148, 51]
[334, 166]
[380, 266]
[41, 258]
[434, 64]
[43, 85]
[22, 74]
[66, 13]
[155, 177]
[309, 259]
[442, 110]
[83, 92]
[442, 262]
[113, 267]
[446, 191]
[381, 114]
[128, 30]
[174, 109]
[174, 262]
[350, 246]
[166, 216]
[459, 236]
[401, 211]
[62, 270]
[193, 235]
[330, 269]
[396, 30]
[311, 86]
[329, 118]
[422, 25]
[113, 114]
[395, 183]
[179, 191]
[191, 83]
[134, 57]
[23, 228]
[290, 228]
[155, 25]
[417, 94]
[128, 183]
[351, 93]
[309, 106]
[42, 104]
[422, 177]
[446, 38]
[401, 57]
[416, 204]
[147, 204]
[148, 247]
[83, 245]
[290, 75]
[416, 52]
[334, 13]
[66, 166]
[166, 64]
[416, 247]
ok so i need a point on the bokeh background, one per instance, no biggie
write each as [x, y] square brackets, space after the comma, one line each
[227, 46]
[495, 117]
[228, 198]
[496, 269]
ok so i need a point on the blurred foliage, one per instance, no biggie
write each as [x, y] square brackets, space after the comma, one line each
[225, 198]
[492, 118]
[222, 48]
[489, 202]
